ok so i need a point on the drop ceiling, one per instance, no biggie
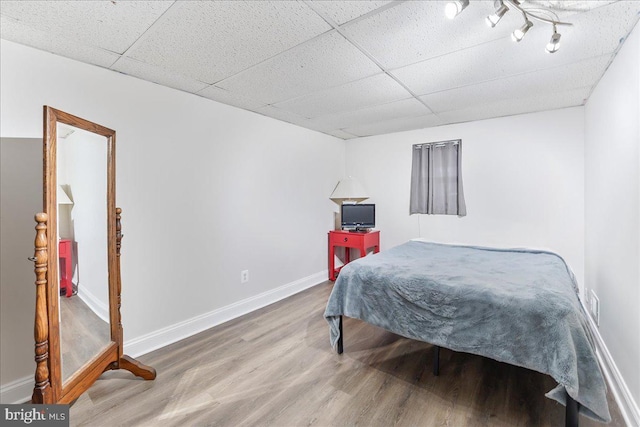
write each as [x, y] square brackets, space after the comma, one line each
[345, 68]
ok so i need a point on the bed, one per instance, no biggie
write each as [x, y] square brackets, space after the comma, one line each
[518, 306]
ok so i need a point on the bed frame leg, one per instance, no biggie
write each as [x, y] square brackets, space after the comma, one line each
[341, 336]
[571, 416]
[436, 360]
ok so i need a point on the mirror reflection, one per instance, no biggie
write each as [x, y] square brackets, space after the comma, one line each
[82, 246]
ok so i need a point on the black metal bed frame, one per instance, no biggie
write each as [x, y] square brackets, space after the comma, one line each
[571, 412]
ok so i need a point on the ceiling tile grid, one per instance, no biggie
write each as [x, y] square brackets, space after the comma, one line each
[321, 63]
[395, 125]
[551, 80]
[405, 108]
[513, 106]
[417, 30]
[157, 75]
[15, 31]
[344, 11]
[346, 68]
[215, 93]
[493, 60]
[341, 134]
[109, 25]
[598, 32]
[378, 89]
[223, 38]
[283, 115]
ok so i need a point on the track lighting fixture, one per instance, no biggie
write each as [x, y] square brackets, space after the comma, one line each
[554, 43]
[454, 8]
[495, 17]
[518, 34]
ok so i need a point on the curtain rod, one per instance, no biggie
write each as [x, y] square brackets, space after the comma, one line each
[437, 144]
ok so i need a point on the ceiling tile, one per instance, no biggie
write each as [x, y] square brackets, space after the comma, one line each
[341, 134]
[222, 95]
[225, 37]
[565, 8]
[157, 75]
[373, 90]
[509, 107]
[395, 125]
[600, 30]
[283, 115]
[70, 48]
[581, 74]
[321, 63]
[405, 108]
[111, 25]
[460, 68]
[282, 59]
[597, 32]
[345, 11]
[417, 30]
[503, 57]
[499, 58]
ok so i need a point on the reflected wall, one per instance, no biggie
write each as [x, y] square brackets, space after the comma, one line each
[82, 221]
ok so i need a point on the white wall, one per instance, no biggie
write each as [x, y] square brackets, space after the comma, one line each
[523, 182]
[20, 199]
[612, 215]
[207, 190]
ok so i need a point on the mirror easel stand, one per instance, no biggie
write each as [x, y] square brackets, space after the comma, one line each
[42, 391]
[125, 362]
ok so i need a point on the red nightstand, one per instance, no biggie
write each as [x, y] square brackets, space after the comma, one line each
[64, 255]
[348, 240]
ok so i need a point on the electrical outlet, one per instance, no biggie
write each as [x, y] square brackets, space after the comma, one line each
[587, 300]
[244, 276]
[594, 307]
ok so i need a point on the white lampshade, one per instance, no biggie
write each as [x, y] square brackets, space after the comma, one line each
[63, 197]
[348, 189]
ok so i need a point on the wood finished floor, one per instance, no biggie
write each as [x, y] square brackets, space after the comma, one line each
[82, 334]
[274, 367]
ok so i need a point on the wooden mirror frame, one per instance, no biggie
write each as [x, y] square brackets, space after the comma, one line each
[49, 387]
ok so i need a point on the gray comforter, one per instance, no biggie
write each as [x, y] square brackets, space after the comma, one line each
[516, 306]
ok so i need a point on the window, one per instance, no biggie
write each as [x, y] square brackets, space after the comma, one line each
[436, 179]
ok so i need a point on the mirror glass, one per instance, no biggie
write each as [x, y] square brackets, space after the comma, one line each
[82, 246]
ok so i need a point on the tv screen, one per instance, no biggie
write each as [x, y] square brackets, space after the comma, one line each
[358, 217]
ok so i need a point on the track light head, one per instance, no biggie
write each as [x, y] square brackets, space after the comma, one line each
[518, 34]
[547, 16]
[554, 43]
[495, 17]
[454, 8]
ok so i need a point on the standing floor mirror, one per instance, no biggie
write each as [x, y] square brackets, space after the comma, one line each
[78, 329]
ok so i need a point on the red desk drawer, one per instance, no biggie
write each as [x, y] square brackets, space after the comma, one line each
[346, 241]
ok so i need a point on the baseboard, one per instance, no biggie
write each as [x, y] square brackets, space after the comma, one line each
[94, 303]
[18, 391]
[621, 393]
[165, 336]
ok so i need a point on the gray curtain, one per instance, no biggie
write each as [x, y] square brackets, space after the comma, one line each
[436, 179]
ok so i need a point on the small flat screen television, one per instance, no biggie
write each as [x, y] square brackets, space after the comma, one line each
[358, 217]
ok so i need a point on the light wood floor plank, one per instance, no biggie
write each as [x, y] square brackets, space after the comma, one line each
[274, 367]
